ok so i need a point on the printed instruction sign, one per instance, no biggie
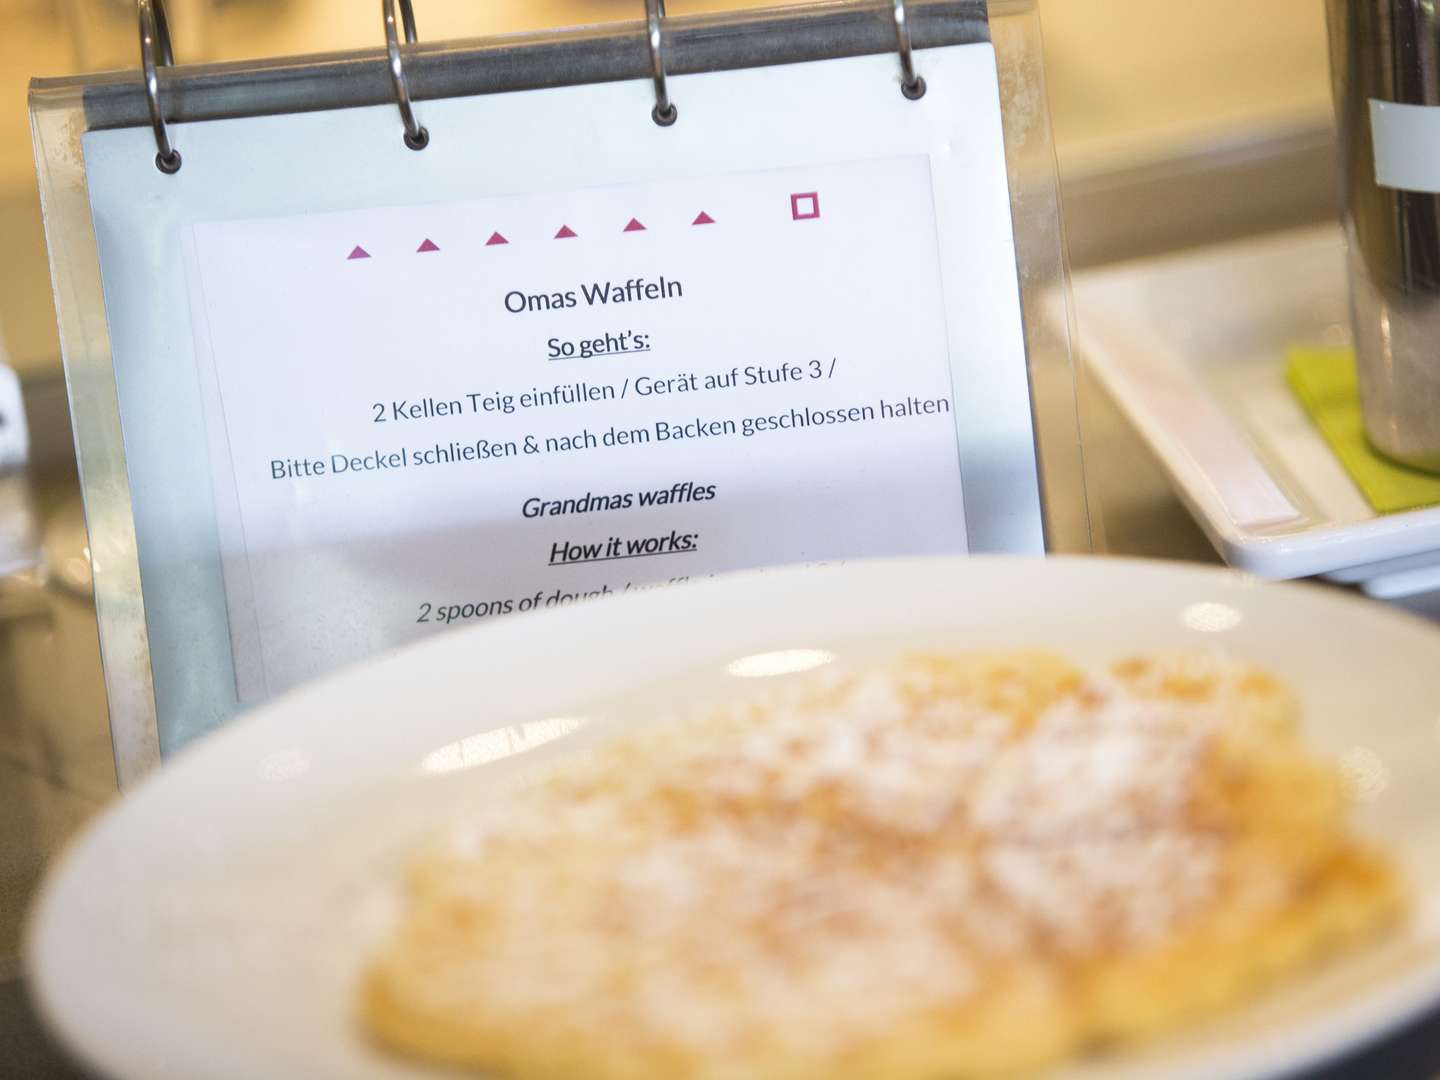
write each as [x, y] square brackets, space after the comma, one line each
[431, 415]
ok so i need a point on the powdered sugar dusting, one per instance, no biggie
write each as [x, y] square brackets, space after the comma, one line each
[824, 860]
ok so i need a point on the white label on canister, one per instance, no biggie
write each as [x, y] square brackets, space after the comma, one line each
[1407, 145]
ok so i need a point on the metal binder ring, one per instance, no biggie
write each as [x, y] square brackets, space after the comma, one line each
[911, 84]
[155, 53]
[416, 137]
[664, 112]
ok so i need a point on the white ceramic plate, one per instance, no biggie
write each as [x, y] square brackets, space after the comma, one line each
[1192, 348]
[213, 924]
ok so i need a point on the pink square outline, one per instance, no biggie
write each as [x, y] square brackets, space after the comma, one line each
[795, 200]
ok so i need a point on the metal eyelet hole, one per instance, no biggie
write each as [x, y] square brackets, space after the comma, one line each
[168, 165]
[914, 91]
[419, 140]
[666, 116]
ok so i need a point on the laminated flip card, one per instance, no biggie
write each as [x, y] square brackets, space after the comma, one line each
[389, 365]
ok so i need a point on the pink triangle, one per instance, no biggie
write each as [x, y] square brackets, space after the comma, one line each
[358, 253]
[565, 233]
[495, 238]
[428, 245]
[703, 219]
[634, 226]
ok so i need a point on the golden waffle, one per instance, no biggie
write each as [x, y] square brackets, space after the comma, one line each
[955, 865]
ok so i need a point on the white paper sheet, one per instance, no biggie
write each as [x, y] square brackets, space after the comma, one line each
[437, 414]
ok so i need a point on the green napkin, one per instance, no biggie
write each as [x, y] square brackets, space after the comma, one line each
[1324, 381]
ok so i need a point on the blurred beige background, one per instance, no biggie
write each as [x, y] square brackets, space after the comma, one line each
[1131, 82]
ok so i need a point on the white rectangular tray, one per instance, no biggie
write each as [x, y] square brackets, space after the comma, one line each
[1192, 348]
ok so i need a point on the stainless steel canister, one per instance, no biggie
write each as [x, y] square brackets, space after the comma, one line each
[1385, 59]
